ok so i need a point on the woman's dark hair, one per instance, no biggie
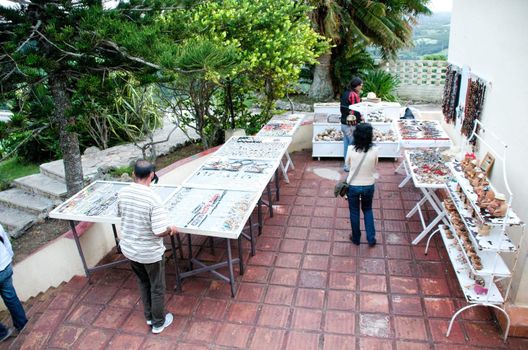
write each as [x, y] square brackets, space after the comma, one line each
[355, 82]
[363, 137]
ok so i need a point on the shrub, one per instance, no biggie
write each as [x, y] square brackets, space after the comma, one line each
[382, 83]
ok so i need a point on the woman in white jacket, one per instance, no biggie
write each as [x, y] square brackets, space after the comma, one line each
[362, 159]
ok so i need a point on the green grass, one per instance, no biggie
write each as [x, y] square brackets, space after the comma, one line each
[117, 172]
[14, 168]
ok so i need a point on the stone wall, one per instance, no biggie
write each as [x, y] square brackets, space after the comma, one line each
[419, 80]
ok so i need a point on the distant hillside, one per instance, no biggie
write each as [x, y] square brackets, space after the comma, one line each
[431, 36]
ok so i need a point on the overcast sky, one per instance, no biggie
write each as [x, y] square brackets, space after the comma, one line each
[434, 5]
[441, 5]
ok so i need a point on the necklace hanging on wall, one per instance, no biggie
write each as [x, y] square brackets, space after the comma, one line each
[474, 102]
[451, 93]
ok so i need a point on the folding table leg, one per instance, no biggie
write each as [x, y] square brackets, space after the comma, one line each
[270, 200]
[178, 286]
[240, 255]
[118, 248]
[79, 248]
[230, 267]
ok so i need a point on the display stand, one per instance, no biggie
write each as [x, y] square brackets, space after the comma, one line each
[97, 203]
[479, 282]
[335, 148]
[419, 140]
[284, 125]
[428, 190]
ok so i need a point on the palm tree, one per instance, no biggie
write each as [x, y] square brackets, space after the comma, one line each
[352, 25]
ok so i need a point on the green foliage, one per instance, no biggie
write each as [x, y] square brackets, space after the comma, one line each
[117, 172]
[436, 57]
[382, 83]
[13, 168]
[353, 26]
[274, 39]
[348, 62]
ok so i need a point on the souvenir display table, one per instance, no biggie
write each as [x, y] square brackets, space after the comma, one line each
[476, 220]
[380, 112]
[98, 203]
[285, 125]
[415, 134]
[328, 138]
[429, 173]
[213, 213]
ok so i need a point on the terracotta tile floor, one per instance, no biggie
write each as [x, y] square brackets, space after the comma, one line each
[308, 287]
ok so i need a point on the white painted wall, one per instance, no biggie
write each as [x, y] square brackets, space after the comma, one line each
[491, 38]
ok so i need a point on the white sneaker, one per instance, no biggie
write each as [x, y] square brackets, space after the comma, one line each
[149, 322]
[168, 321]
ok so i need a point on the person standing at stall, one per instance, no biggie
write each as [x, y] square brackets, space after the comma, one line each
[7, 290]
[144, 223]
[362, 158]
[349, 119]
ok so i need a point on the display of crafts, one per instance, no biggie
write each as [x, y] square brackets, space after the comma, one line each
[233, 173]
[490, 203]
[378, 117]
[429, 165]
[100, 199]
[295, 118]
[330, 134]
[462, 233]
[385, 136]
[278, 128]
[211, 210]
[323, 118]
[478, 283]
[413, 129]
[254, 147]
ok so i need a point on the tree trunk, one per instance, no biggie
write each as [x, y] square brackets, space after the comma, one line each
[69, 143]
[321, 88]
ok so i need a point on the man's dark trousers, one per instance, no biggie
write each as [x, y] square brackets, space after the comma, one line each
[151, 282]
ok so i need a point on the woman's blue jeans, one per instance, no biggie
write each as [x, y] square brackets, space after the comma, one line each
[13, 304]
[361, 195]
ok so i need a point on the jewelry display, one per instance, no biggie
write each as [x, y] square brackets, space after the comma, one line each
[330, 134]
[254, 147]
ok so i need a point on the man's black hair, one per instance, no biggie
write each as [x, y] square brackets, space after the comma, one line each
[142, 169]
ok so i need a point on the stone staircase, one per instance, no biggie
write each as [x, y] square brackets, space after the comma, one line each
[34, 196]
[29, 201]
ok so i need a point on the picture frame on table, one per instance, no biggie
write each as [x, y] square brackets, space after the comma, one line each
[487, 163]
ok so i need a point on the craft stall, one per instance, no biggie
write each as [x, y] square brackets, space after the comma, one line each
[415, 134]
[284, 125]
[218, 198]
[212, 213]
[476, 219]
[429, 173]
[327, 138]
[98, 203]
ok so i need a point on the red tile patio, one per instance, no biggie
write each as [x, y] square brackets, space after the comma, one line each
[308, 287]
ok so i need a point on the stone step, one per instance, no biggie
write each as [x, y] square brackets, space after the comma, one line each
[26, 201]
[54, 169]
[43, 185]
[15, 221]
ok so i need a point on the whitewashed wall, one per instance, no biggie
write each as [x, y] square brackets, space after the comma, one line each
[491, 38]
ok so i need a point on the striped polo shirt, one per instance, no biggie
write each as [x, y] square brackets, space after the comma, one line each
[143, 217]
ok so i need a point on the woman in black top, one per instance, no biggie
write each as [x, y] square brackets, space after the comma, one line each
[350, 96]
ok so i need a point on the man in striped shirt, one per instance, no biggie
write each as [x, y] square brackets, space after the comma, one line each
[144, 223]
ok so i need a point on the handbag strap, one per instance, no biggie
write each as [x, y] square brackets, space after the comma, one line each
[357, 168]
